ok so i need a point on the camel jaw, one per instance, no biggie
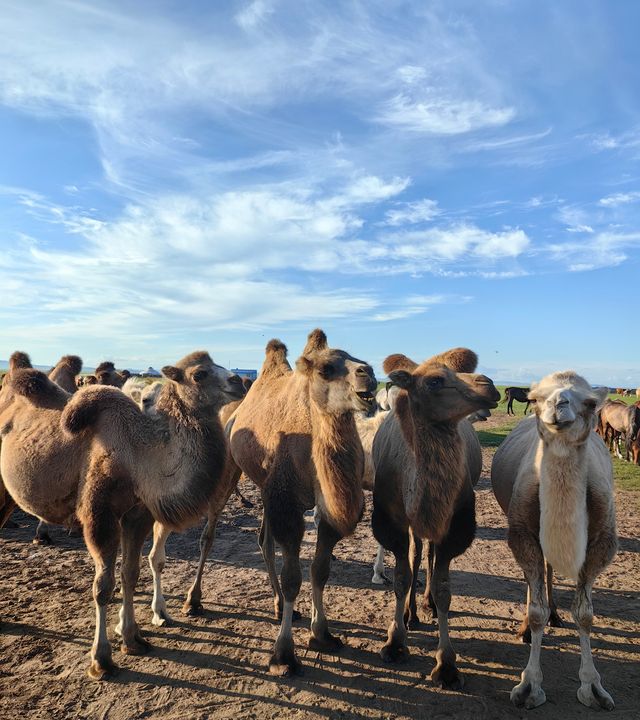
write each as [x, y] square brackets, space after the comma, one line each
[366, 400]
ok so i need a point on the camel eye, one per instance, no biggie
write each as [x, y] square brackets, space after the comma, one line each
[434, 383]
[200, 375]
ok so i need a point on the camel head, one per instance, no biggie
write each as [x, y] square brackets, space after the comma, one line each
[566, 406]
[443, 388]
[338, 382]
[199, 381]
[106, 374]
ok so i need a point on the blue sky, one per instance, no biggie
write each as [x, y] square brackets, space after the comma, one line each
[410, 176]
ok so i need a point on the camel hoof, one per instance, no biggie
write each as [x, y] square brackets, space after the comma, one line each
[329, 643]
[395, 653]
[102, 670]
[138, 646]
[448, 677]
[554, 621]
[595, 697]
[161, 619]
[42, 540]
[522, 695]
[193, 609]
[381, 579]
[285, 665]
[414, 623]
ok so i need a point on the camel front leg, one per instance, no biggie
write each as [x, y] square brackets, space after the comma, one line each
[283, 660]
[395, 649]
[193, 603]
[321, 639]
[136, 525]
[445, 672]
[157, 559]
[428, 603]
[528, 692]
[590, 693]
[415, 558]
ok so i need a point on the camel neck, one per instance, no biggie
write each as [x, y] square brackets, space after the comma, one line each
[339, 462]
[431, 494]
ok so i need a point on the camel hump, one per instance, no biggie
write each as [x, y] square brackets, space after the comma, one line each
[316, 341]
[461, 360]
[275, 360]
[106, 366]
[398, 361]
[37, 388]
[18, 360]
[86, 407]
[73, 361]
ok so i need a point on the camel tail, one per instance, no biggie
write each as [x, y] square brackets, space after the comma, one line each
[38, 389]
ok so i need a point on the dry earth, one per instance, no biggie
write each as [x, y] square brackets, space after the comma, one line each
[215, 665]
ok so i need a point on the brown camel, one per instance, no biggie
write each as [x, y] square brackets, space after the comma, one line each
[116, 469]
[427, 459]
[554, 479]
[106, 374]
[295, 437]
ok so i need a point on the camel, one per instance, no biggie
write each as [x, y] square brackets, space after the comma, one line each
[97, 456]
[553, 478]
[427, 459]
[295, 436]
[106, 374]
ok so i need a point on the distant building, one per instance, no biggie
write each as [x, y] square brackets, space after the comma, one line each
[243, 372]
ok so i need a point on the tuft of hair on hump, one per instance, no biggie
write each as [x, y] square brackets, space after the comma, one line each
[275, 358]
[194, 358]
[19, 359]
[29, 382]
[398, 361]
[459, 359]
[106, 366]
[73, 361]
[316, 341]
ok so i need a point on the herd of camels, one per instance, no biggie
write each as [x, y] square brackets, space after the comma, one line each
[121, 464]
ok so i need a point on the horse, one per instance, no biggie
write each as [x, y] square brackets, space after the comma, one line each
[519, 394]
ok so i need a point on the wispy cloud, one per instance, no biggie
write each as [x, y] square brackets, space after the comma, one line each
[412, 212]
[604, 249]
[620, 199]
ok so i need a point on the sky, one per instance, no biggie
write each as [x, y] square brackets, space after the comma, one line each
[409, 176]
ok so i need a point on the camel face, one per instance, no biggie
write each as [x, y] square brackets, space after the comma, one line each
[339, 383]
[199, 380]
[566, 405]
[441, 395]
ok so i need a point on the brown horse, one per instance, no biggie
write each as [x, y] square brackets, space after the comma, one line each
[618, 420]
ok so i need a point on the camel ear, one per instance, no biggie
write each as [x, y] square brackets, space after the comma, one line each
[398, 361]
[598, 398]
[173, 373]
[402, 379]
[460, 360]
[316, 341]
[304, 365]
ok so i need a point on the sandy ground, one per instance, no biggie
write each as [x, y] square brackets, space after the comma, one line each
[215, 665]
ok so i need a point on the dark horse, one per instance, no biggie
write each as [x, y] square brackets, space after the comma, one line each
[519, 394]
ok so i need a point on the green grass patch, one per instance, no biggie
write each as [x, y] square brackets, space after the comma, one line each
[626, 475]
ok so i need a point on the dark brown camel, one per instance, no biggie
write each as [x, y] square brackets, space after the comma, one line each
[427, 458]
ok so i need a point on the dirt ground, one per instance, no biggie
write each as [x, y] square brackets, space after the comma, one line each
[215, 665]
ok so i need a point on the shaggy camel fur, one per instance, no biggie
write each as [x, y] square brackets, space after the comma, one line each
[295, 436]
[117, 469]
[553, 476]
[427, 459]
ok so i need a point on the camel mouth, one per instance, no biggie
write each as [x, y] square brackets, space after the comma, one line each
[366, 399]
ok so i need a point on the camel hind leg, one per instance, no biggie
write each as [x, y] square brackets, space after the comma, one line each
[321, 639]
[193, 603]
[136, 525]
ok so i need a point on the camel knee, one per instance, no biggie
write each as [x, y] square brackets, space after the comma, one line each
[538, 616]
[441, 592]
[104, 586]
[582, 611]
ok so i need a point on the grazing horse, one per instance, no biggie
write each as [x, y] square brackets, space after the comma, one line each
[519, 394]
[617, 420]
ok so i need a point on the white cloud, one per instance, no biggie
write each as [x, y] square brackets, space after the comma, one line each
[254, 14]
[440, 115]
[604, 249]
[413, 212]
[620, 199]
